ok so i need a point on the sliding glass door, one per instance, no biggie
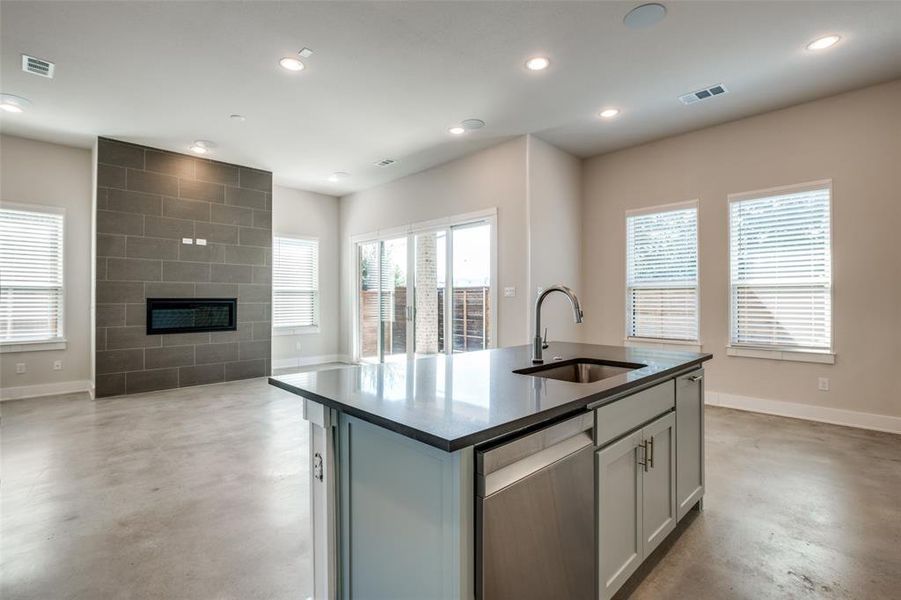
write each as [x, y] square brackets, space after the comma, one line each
[444, 305]
[471, 300]
[394, 298]
[382, 299]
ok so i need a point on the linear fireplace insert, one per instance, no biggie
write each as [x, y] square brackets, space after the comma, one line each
[191, 315]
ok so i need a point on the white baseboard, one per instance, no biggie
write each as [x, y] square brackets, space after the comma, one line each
[808, 412]
[45, 389]
[304, 361]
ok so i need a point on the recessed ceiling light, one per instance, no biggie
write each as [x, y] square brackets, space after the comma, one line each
[538, 63]
[237, 118]
[291, 63]
[338, 176]
[13, 104]
[472, 124]
[824, 42]
[609, 113]
[456, 130]
[644, 16]
[201, 146]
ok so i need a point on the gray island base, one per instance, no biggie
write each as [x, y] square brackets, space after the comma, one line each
[456, 477]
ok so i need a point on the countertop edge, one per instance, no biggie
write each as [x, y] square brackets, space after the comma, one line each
[405, 430]
[473, 439]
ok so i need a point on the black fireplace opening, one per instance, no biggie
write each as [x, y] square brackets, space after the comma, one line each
[191, 315]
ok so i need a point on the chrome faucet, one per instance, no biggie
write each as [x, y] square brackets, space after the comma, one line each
[538, 344]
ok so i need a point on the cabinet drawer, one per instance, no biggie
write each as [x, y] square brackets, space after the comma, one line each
[623, 415]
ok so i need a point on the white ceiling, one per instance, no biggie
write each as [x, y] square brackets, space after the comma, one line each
[388, 78]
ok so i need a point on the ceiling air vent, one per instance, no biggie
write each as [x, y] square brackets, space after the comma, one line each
[37, 66]
[387, 162]
[705, 94]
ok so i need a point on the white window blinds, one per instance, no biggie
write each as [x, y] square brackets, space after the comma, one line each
[31, 275]
[295, 282]
[662, 274]
[781, 267]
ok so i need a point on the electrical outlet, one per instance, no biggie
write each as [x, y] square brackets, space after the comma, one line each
[509, 292]
[200, 242]
[20, 368]
[57, 365]
[823, 384]
[188, 241]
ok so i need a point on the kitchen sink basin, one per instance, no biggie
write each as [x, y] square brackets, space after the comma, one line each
[580, 370]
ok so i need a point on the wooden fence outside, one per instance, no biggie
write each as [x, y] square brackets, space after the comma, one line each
[471, 324]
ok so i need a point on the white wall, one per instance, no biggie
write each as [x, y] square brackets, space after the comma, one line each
[494, 177]
[297, 212]
[555, 241]
[33, 172]
[853, 139]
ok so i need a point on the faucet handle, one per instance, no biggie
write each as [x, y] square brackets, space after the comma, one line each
[544, 341]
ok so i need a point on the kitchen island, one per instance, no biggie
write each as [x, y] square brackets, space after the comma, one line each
[415, 467]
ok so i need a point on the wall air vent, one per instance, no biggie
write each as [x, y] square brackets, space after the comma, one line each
[37, 66]
[705, 94]
[387, 162]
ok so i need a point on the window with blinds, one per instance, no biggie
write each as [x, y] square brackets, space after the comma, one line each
[295, 282]
[662, 273]
[31, 275]
[781, 269]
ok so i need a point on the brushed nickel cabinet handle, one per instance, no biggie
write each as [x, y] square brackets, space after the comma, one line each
[644, 463]
[695, 378]
[649, 453]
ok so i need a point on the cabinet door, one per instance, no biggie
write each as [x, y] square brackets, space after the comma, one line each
[619, 513]
[689, 441]
[658, 495]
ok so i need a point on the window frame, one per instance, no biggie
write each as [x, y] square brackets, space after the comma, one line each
[790, 353]
[280, 330]
[59, 342]
[631, 340]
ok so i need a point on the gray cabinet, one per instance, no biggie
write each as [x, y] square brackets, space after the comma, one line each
[689, 441]
[636, 500]
[619, 512]
[658, 515]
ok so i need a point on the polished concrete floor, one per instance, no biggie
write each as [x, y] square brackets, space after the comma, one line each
[201, 494]
[793, 509]
[197, 493]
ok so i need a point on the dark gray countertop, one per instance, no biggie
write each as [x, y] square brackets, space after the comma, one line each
[451, 402]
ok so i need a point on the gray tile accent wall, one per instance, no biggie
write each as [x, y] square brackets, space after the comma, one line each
[148, 200]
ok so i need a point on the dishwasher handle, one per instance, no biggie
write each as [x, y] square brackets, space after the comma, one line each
[495, 481]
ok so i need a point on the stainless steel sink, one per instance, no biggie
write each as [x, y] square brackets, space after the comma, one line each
[580, 370]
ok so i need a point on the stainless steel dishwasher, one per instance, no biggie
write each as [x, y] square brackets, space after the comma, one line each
[535, 515]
